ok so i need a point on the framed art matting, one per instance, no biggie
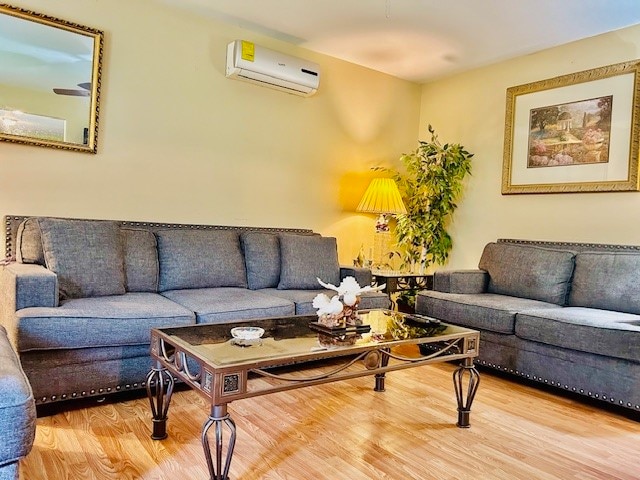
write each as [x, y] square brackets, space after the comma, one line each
[574, 133]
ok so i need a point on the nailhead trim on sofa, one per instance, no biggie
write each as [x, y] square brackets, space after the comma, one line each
[556, 384]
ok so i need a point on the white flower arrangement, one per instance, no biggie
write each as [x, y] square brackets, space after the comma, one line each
[348, 293]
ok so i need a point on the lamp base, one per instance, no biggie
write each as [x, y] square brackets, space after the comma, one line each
[382, 223]
[381, 248]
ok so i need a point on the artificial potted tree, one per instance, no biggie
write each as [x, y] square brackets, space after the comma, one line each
[430, 183]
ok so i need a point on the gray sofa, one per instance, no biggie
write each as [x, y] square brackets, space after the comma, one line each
[563, 314]
[17, 411]
[81, 296]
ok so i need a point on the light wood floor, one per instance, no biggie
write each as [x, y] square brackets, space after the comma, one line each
[347, 431]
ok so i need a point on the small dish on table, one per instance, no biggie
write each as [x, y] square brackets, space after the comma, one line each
[247, 336]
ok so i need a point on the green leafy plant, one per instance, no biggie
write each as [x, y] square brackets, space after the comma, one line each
[430, 184]
[406, 300]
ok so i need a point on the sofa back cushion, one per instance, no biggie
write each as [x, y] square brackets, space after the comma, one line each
[262, 259]
[607, 280]
[29, 242]
[528, 272]
[140, 260]
[86, 255]
[140, 254]
[305, 258]
[200, 259]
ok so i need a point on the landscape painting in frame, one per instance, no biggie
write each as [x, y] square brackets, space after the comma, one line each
[576, 133]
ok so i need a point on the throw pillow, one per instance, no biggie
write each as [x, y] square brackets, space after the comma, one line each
[86, 255]
[305, 258]
[262, 258]
[200, 259]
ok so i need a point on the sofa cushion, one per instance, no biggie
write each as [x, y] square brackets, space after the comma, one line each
[140, 254]
[303, 299]
[17, 407]
[482, 311]
[141, 260]
[98, 322]
[305, 258]
[262, 259]
[370, 300]
[200, 259]
[219, 305]
[461, 281]
[86, 255]
[362, 274]
[29, 242]
[603, 332]
[607, 280]
[529, 272]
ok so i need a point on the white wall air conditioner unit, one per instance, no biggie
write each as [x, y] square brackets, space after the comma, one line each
[252, 63]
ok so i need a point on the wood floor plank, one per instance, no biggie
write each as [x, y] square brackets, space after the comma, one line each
[345, 430]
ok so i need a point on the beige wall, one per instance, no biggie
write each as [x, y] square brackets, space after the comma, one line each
[178, 142]
[470, 109]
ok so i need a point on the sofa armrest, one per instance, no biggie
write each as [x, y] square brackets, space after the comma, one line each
[461, 281]
[25, 285]
[17, 410]
[361, 274]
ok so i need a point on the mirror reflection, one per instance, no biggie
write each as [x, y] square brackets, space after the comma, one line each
[49, 81]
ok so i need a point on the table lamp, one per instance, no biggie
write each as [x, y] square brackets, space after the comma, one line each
[383, 197]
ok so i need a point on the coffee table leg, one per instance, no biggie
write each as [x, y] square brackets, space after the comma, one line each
[384, 361]
[159, 398]
[464, 405]
[219, 416]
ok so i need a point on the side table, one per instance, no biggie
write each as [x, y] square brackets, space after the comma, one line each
[397, 281]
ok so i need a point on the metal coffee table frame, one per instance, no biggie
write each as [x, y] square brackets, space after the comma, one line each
[176, 355]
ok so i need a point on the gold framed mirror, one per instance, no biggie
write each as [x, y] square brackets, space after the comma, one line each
[49, 81]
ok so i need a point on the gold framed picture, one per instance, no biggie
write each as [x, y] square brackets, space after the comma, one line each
[574, 133]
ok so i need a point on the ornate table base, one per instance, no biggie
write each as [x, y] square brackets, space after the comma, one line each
[202, 357]
[464, 404]
[160, 391]
[219, 416]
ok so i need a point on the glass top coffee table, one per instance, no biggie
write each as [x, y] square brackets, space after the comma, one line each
[292, 355]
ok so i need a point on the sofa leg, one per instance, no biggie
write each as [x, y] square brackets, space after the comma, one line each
[464, 404]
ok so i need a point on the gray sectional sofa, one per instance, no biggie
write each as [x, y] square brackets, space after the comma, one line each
[81, 296]
[563, 314]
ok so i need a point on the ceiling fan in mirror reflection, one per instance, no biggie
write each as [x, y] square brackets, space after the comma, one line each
[85, 92]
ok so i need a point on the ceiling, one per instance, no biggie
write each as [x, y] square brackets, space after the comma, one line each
[422, 40]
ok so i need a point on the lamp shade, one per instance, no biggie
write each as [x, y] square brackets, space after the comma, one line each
[382, 196]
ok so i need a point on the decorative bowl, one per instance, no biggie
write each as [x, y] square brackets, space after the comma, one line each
[247, 333]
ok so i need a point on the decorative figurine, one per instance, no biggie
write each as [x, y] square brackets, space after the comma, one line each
[341, 310]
